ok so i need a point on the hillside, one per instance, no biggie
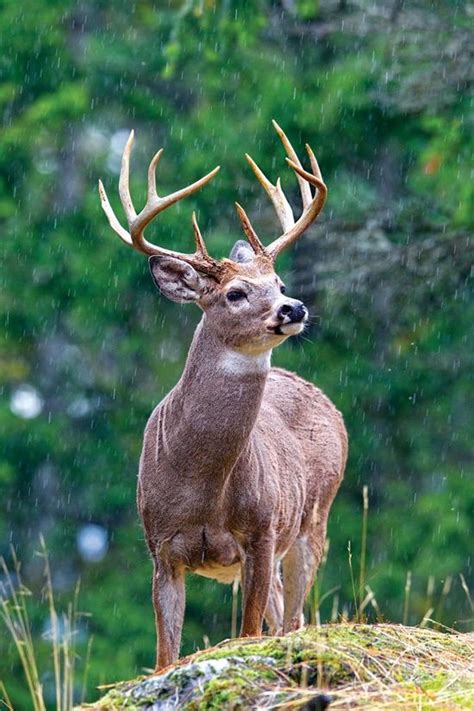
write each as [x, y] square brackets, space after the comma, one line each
[341, 666]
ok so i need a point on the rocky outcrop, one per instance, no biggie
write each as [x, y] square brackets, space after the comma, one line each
[341, 666]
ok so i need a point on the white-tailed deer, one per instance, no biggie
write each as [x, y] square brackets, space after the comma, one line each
[240, 461]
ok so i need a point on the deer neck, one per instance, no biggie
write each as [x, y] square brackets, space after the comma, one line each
[210, 414]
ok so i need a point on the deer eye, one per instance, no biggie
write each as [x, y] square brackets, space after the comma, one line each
[235, 295]
[283, 288]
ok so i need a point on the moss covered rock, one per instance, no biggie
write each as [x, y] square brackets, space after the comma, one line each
[341, 666]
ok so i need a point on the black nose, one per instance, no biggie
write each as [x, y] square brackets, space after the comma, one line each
[294, 312]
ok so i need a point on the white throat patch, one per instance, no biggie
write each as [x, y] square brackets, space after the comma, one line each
[240, 363]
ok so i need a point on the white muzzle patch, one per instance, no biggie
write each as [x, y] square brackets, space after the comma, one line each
[292, 329]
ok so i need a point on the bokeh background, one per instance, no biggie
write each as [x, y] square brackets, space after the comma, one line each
[382, 91]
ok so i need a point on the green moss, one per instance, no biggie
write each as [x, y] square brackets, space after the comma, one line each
[272, 647]
[115, 700]
[234, 691]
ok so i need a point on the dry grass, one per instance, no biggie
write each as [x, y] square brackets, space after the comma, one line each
[62, 634]
[395, 667]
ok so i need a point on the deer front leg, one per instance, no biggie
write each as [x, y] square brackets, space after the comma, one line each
[168, 601]
[256, 579]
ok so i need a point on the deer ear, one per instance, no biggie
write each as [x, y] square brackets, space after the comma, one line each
[176, 279]
[242, 252]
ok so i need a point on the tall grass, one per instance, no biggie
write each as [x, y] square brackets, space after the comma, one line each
[63, 628]
[363, 545]
[235, 608]
[363, 597]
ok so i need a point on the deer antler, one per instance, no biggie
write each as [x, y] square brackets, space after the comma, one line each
[135, 238]
[312, 205]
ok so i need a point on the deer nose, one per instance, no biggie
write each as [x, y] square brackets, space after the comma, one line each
[291, 313]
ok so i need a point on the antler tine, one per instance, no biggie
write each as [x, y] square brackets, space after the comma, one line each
[313, 179]
[314, 163]
[291, 153]
[250, 233]
[111, 216]
[276, 195]
[200, 244]
[124, 189]
[152, 175]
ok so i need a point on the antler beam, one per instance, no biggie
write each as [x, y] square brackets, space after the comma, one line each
[312, 205]
[154, 205]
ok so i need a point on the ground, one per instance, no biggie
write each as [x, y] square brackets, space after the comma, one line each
[354, 666]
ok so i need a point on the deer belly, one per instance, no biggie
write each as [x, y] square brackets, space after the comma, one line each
[207, 551]
[219, 572]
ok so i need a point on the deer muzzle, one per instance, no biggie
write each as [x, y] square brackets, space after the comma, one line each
[291, 317]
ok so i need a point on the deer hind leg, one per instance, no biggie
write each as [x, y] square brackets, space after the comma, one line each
[257, 571]
[274, 611]
[168, 593]
[299, 568]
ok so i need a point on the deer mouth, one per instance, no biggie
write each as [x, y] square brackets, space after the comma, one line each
[289, 329]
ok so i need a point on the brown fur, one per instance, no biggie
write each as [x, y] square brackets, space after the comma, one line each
[240, 462]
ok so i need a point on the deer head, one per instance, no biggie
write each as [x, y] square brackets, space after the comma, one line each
[242, 296]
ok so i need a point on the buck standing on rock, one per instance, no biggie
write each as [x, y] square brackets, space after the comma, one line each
[240, 461]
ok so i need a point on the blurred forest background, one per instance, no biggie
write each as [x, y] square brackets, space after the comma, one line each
[382, 91]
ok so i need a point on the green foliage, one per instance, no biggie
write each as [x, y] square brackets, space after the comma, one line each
[386, 273]
[445, 163]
